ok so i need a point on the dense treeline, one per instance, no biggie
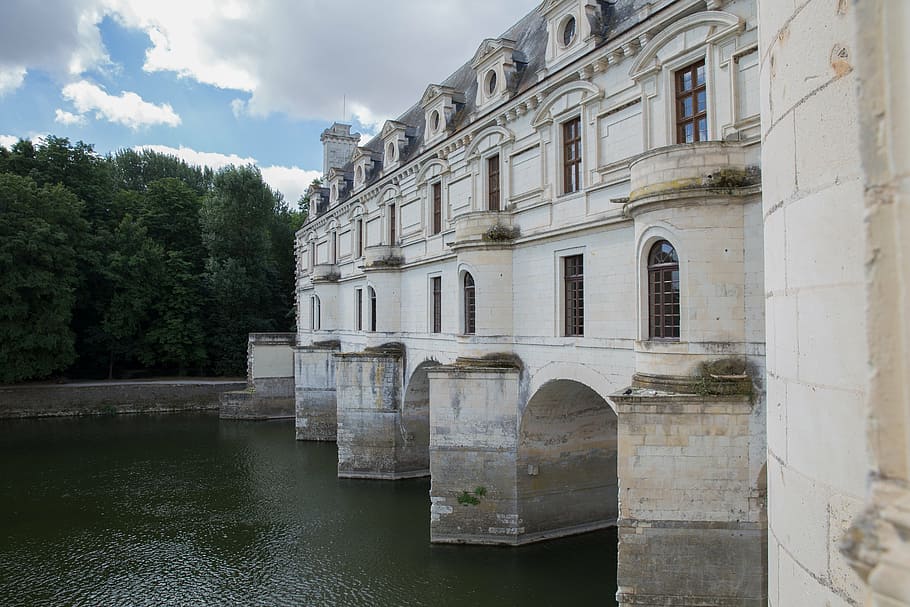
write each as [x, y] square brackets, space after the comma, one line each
[136, 261]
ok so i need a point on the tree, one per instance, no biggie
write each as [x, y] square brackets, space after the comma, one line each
[39, 232]
[241, 272]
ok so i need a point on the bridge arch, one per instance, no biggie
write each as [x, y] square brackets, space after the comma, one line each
[580, 373]
[567, 461]
[414, 449]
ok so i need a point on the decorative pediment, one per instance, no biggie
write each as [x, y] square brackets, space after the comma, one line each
[497, 66]
[440, 103]
[435, 91]
[489, 47]
[391, 126]
[714, 24]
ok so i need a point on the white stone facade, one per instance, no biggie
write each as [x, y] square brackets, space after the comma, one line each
[506, 191]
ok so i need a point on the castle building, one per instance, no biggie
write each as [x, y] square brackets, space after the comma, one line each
[545, 285]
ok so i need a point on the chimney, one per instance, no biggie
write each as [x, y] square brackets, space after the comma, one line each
[338, 145]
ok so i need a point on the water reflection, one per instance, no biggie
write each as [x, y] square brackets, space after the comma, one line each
[187, 510]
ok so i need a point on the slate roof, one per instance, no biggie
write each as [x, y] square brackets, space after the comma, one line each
[530, 36]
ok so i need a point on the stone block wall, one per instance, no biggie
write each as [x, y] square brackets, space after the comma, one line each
[315, 403]
[818, 456]
[692, 522]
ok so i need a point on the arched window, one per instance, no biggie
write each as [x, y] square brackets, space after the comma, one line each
[663, 291]
[315, 319]
[470, 305]
[372, 295]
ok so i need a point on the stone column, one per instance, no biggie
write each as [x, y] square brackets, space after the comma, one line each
[373, 437]
[691, 528]
[315, 404]
[473, 453]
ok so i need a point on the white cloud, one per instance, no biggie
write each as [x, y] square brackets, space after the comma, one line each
[68, 118]
[11, 79]
[238, 107]
[60, 37]
[290, 181]
[8, 141]
[128, 109]
[302, 58]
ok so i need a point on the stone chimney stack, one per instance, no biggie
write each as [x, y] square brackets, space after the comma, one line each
[338, 145]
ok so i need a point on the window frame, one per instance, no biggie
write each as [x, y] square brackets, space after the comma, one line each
[469, 303]
[358, 237]
[435, 208]
[680, 95]
[494, 182]
[435, 304]
[358, 309]
[571, 155]
[315, 313]
[573, 295]
[393, 224]
[656, 275]
[371, 295]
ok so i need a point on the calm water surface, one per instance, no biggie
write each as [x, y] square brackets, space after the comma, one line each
[188, 510]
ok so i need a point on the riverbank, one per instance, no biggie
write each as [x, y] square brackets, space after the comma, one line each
[114, 397]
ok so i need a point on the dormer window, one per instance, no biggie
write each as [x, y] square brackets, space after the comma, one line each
[574, 27]
[568, 31]
[491, 83]
[363, 165]
[440, 103]
[339, 183]
[394, 142]
[497, 65]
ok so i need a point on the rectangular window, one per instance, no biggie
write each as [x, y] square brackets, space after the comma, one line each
[571, 156]
[437, 208]
[493, 183]
[372, 310]
[358, 309]
[358, 239]
[691, 104]
[574, 295]
[315, 318]
[392, 221]
[436, 303]
[334, 245]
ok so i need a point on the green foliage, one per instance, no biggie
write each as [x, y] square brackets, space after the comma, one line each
[39, 232]
[467, 498]
[250, 266]
[136, 260]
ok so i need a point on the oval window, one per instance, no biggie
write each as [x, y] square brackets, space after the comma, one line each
[568, 31]
[390, 152]
[436, 120]
[491, 82]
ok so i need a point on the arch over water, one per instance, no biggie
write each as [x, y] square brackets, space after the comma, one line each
[567, 455]
[414, 448]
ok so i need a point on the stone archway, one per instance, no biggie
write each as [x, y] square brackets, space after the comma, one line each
[567, 462]
[414, 447]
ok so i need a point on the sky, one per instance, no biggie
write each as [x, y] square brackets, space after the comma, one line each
[220, 82]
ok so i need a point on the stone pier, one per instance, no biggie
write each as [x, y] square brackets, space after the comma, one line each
[379, 437]
[506, 474]
[315, 403]
[692, 528]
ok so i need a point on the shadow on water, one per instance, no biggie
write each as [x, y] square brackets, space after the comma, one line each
[188, 510]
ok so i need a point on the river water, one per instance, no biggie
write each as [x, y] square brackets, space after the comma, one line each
[190, 510]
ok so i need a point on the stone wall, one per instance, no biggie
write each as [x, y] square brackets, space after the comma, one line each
[269, 392]
[107, 398]
[818, 456]
[692, 519]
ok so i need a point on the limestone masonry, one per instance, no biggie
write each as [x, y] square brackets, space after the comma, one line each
[551, 284]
